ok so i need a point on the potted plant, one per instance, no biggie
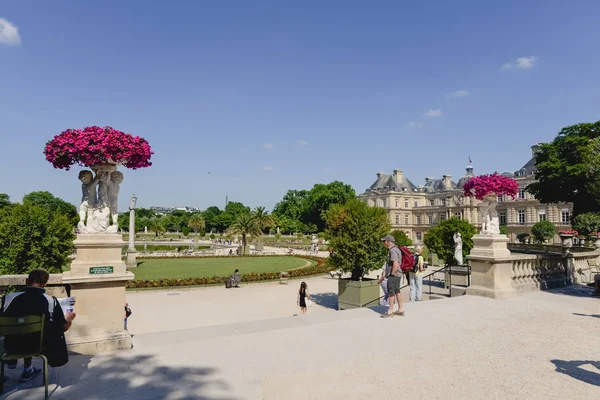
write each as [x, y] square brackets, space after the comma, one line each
[567, 237]
[354, 231]
[487, 188]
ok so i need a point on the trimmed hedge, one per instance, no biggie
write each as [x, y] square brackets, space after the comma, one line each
[320, 268]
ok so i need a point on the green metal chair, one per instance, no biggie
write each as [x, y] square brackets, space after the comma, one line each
[15, 326]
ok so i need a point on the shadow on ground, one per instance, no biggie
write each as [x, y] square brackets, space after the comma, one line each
[587, 315]
[574, 370]
[328, 300]
[577, 290]
[117, 378]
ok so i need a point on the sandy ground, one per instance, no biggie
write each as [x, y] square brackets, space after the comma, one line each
[219, 344]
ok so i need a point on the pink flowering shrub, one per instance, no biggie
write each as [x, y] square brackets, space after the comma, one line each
[480, 186]
[94, 145]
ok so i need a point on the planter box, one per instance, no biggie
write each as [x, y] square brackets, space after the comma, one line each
[356, 294]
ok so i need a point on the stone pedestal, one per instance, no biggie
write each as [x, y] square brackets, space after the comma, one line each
[97, 279]
[491, 267]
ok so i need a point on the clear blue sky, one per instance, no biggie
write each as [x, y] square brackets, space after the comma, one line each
[338, 89]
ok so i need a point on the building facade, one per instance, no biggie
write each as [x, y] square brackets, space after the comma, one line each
[414, 209]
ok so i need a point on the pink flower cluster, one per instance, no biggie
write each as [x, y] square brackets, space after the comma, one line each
[94, 145]
[480, 186]
[571, 232]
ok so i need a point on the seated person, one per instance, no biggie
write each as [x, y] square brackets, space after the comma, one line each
[237, 277]
[32, 301]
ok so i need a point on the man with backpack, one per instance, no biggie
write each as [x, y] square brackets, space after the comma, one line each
[393, 274]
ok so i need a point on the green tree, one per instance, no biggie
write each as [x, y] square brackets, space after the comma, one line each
[567, 169]
[587, 224]
[33, 236]
[354, 231]
[402, 238]
[157, 226]
[233, 209]
[291, 205]
[54, 204]
[245, 225]
[196, 222]
[211, 218]
[186, 231]
[503, 230]
[543, 231]
[440, 238]
[263, 218]
[4, 200]
[320, 198]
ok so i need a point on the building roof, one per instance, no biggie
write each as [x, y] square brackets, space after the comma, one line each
[437, 185]
[386, 182]
[527, 169]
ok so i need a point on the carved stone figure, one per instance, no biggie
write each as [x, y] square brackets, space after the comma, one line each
[458, 254]
[113, 186]
[101, 212]
[88, 198]
[490, 224]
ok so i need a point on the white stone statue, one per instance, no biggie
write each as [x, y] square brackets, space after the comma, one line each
[277, 229]
[490, 223]
[88, 197]
[113, 186]
[458, 254]
[145, 229]
[101, 212]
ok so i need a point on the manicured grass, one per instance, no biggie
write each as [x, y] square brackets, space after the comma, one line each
[163, 268]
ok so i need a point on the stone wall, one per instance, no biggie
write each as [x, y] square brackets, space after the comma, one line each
[55, 285]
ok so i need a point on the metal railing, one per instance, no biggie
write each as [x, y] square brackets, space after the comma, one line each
[447, 270]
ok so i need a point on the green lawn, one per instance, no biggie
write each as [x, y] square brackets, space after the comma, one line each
[152, 269]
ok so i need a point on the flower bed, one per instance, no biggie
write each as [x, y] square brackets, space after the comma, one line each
[483, 185]
[94, 145]
[320, 268]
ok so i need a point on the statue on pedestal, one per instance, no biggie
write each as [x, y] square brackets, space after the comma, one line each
[100, 200]
[88, 197]
[458, 254]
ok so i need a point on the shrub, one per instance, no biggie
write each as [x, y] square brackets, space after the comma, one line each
[543, 231]
[440, 239]
[402, 238]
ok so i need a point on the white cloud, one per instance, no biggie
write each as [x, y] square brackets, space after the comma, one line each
[521, 63]
[459, 94]
[302, 143]
[526, 62]
[433, 113]
[9, 34]
[413, 125]
[268, 168]
[268, 146]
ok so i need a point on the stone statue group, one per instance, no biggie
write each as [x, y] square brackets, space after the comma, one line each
[100, 200]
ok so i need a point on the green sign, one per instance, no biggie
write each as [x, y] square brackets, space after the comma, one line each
[101, 270]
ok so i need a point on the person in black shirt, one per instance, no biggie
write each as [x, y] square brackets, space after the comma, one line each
[32, 301]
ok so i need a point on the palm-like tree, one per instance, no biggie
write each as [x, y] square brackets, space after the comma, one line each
[157, 226]
[196, 223]
[245, 225]
[263, 218]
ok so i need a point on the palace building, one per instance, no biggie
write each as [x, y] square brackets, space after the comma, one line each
[415, 208]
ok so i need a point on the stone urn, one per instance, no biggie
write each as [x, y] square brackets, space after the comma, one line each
[567, 239]
[597, 242]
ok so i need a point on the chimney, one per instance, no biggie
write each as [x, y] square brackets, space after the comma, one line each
[398, 176]
[428, 179]
[534, 149]
[379, 175]
[447, 181]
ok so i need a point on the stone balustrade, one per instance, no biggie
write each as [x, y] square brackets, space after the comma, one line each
[532, 272]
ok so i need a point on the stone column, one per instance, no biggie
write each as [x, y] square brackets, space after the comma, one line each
[491, 267]
[131, 251]
[97, 279]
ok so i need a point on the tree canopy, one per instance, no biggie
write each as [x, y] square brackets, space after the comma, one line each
[34, 236]
[440, 238]
[54, 204]
[587, 224]
[402, 238]
[354, 231]
[568, 168]
[4, 200]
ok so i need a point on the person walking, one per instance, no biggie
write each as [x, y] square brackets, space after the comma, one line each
[416, 277]
[303, 297]
[393, 274]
